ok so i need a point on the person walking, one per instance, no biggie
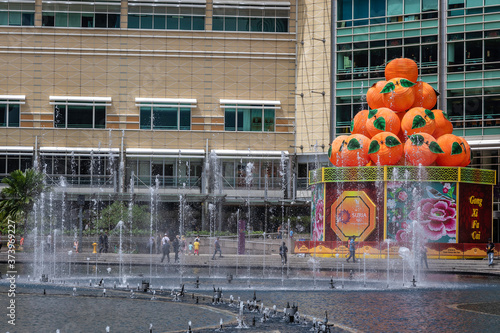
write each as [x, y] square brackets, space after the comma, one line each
[196, 247]
[49, 242]
[490, 250]
[151, 245]
[176, 245]
[283, 252]
[165, 247]
[423, 256]
[183, 245]
[101, 242]
[352, 249]
[217, 248]
[105, 241]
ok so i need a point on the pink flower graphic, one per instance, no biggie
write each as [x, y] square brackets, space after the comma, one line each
[438, 217]
[402, 196]
[318, 222]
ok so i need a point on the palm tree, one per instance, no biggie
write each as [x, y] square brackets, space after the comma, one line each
[17, 199]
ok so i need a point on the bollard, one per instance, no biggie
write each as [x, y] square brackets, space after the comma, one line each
[95, 247]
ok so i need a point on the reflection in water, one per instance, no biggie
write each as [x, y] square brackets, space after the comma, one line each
[405, 310]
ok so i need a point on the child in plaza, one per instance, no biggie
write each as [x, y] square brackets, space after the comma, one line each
[196, 247]
[190, 247]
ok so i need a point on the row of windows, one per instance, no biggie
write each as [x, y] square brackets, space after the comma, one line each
[81, 20]
[387, 43]
[364, 12]
[253, 118]
[474, 55]
[160, 16]
[167, 172]
[12, 163]
[78, 165]
[15, 18]
[368, 59]
[370, 63]
[169, 22]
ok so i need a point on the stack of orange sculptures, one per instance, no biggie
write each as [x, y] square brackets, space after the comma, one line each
[401, 127]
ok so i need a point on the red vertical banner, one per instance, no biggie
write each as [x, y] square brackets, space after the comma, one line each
[475, 213]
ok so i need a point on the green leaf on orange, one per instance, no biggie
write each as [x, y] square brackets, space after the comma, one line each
[388, 88]
[405, 83]
[352, 125]
[353, 144]
[392, 141]
[435, 148]
[372, 113]
[456, 149]
[430, 114]
[374, 147]
[379, 123]
[417, 139]
[418, 122]
[330, 152]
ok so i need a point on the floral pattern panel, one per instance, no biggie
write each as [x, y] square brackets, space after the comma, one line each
[317, 213]
[429, 208]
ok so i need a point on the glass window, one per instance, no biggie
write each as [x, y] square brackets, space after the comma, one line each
[474, 55]
[456, 56]
[249, 118]
[101, 21]
[412, 6]
[394, 7]
[146, 21]
[455, 110]
[185, 22]
[377, 8]
[133, 21]
[218, 24]
[230, 24]
[394, 52]
[491, 47]
[429, 5]
[87, 20]
[79, 115]
[9, 115]
[361, 9]
[172, 22]
[344, 10]
[165, 117]
[473, 111]
[491, 111]
[48, 20]
[198, 23]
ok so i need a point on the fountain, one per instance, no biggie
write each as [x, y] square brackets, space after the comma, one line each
[382, 206]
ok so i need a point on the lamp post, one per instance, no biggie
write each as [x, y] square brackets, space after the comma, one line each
[81, 202]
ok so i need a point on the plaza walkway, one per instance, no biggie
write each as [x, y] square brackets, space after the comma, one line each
[296, 262]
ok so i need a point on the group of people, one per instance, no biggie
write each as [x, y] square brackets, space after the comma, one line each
[178, 245]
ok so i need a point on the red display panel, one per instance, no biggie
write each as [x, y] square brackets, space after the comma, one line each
[475, 213]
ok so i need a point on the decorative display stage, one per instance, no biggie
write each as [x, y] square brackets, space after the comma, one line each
[400, 179]
[447, 210]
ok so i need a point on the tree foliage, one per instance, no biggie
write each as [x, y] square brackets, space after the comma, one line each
[119, 211]
[17, 199]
